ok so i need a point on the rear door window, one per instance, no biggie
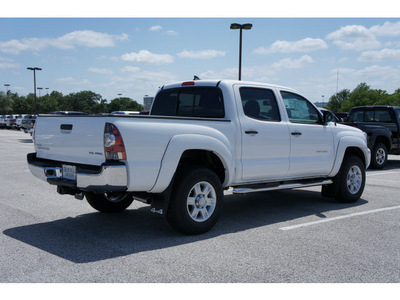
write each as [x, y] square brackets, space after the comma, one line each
[259, 104]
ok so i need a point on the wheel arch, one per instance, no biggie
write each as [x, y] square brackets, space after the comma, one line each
[203, 150]
[380, 136]
[351, 146]
[384, 140]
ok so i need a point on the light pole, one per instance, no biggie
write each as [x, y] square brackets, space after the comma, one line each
[246, 26]
[34, 83]
[40, 89]
[7, 86]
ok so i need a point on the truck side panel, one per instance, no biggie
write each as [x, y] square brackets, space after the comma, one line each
[147, 138]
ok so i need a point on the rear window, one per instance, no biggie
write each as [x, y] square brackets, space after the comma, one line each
[378, 115]
[203, 102]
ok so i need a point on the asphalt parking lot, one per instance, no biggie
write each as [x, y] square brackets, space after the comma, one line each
[275, 237]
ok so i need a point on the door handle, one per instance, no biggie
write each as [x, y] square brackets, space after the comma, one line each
[251, 132]
[66, 126]
[296, 133]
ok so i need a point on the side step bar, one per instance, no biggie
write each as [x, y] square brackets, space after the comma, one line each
[245, 190]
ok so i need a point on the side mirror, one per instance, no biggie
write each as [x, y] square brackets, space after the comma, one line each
[328, 117]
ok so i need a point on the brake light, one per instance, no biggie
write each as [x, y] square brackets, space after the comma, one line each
[114, 147]
[188, 83]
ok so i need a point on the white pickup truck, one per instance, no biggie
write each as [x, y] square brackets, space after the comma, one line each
[199, 139]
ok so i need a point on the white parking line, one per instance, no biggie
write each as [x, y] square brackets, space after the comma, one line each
[380, 173]
[339, 218]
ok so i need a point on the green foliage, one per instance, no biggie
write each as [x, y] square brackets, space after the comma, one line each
[5, 103]
[85, 101]
[344, 100]
[336, 101]
[124, 104]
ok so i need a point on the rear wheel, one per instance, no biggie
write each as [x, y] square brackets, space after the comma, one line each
[109, 202]
[379, 156]
[351, 181]
[196, 201]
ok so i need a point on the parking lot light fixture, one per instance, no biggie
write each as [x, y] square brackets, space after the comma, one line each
[246, 26]
[34, 69]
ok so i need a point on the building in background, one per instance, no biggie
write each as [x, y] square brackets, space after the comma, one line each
[147, 101]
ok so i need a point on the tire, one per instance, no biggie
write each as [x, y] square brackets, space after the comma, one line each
[351, 180]
[109, 202]
[196, 201]
[379, 156]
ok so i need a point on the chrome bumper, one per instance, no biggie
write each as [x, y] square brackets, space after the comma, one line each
[104, 178]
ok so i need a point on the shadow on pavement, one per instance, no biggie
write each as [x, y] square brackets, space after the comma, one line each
[391, 164]
[95, 236]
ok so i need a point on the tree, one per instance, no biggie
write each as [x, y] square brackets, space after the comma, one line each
[5, 104]
[84, 101]
[124, 104]
[19, 104]
[336, 101]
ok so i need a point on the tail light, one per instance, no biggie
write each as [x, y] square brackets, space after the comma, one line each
[114, 147]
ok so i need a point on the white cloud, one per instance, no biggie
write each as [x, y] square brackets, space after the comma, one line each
[384, 54]
[155, 28]
[87, 38]
[376, 71]
[230, 73]
[7, 65]
[145, 56]
[74, 81]
[172, 32]
[84, 38]
[100, 71]
[387, 29]
[343, 71]
[304, 45]
[65, 79]
[259, 73]
[201, 54]
[130, 69]
[288, 63]
[354, 37]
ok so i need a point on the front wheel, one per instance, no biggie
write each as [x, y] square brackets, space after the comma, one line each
[351, 180]
[196, 201]
[109, 202]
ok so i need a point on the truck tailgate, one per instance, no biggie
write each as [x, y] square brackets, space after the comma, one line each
[75, 139]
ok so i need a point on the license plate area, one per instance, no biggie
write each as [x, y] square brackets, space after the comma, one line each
[69, 172]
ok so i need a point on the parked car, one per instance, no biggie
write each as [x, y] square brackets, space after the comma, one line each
[382, 126]
[18, 122]
[70, 113]
[27, 123]
[125, 113]
[8, 121]
[342, 115]
[2, 121]
[249, 136]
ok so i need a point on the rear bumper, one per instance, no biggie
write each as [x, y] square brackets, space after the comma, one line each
[109, 177]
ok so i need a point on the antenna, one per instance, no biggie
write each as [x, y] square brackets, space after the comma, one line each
[337, 81]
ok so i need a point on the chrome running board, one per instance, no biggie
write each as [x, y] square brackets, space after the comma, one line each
[245, 190]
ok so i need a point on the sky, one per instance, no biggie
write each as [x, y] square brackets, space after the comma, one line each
[134, 55]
